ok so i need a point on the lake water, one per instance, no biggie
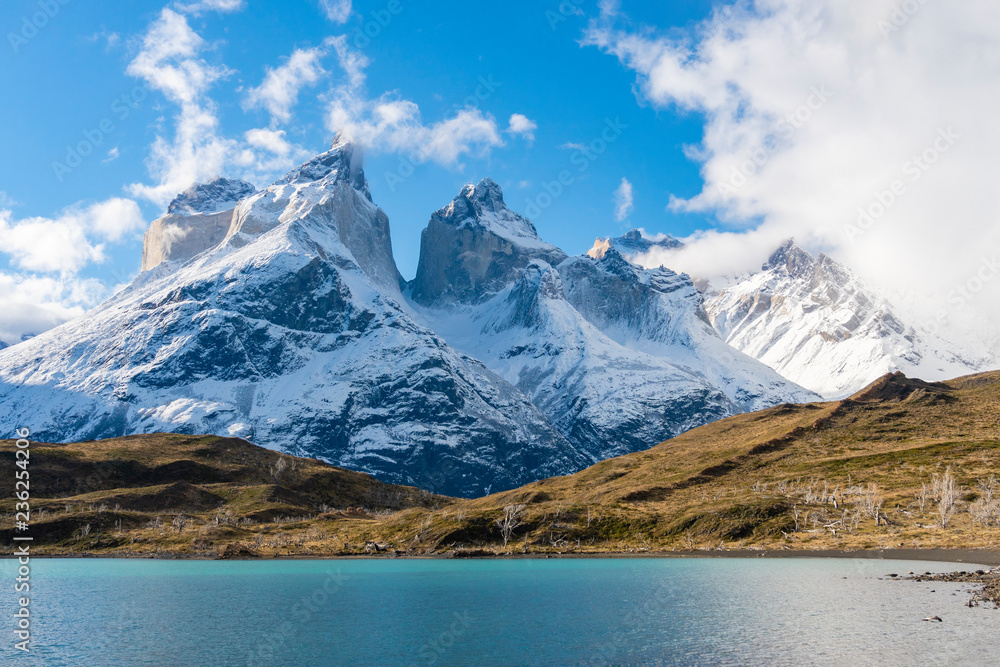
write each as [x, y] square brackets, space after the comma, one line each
[512, 612]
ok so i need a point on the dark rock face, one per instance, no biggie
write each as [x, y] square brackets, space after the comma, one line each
[652, 304]
[474, 247]
[792, 260]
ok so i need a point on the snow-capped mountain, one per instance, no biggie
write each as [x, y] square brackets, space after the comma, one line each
[216, 196]
[289, 332]
[615, 356]
[474, 247]
[198, 219]
[633, 244]
[815, 322]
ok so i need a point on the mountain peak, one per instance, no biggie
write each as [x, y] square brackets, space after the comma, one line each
[482, 207]
[343, 162]
[487, 193]
[633, 243]
[475, 246]
[340, 139]
[219, 194]
[792, 258]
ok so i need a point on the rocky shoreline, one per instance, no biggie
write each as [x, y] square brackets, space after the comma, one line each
[987, 580]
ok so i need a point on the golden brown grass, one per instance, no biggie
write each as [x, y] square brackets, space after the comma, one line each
[859, 473]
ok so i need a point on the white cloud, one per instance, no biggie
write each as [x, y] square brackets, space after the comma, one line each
[813, 110]
[338, 11]
[279, 91]
[713, 254]
[197, 151]
[352, 62]
[111, 220]
[268, 152]
[168, 62]
[272, 141]
[523, 126]
[609, 8]
[212, 6]
[389, 123]
[623, 200]
[72, 240]
[34, 304]
[113, 155]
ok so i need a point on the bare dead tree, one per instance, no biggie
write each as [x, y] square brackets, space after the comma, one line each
[179, 522]
[871, 502]
[986, 509]
[278, 468]
[947, 497]
[510, 520]
[926, 493]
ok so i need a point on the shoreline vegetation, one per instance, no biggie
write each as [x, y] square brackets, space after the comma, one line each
[904, 467]
[984, 558]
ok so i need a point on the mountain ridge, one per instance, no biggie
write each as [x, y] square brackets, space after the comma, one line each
[858, 475]
[291, 331]
[614, 355]
[815, 322]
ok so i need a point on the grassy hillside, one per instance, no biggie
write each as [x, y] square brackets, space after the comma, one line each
[188, 495]
[903, 464]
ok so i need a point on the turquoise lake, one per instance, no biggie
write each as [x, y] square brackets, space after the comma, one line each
[510, 612]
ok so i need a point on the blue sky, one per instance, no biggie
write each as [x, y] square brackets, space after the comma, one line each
[73, 74]
[170, 93]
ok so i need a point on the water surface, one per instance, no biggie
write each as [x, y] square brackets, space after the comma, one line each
[510, 612]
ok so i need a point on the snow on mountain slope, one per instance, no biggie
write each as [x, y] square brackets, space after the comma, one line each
[216, 196]
[617, 357]
[818, 324]
[605, 399]
[660, 312]
[289, 333]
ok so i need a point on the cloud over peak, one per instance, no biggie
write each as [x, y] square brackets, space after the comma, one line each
[623, 200]
[859, 127]
[279, 91]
